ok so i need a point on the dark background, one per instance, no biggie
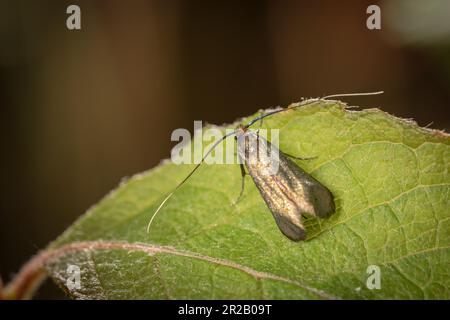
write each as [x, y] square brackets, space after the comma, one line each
[82, 109]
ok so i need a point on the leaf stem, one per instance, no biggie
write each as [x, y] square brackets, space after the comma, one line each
[25, 283]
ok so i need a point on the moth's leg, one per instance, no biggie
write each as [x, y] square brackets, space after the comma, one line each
[257, 145]
[243, 174]
[299, 158]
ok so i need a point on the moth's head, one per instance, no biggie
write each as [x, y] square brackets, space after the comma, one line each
[240, 130]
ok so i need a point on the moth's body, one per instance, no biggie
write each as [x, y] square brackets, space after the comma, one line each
[288, 191]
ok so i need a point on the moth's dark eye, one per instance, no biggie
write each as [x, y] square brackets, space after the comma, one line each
[235, 138]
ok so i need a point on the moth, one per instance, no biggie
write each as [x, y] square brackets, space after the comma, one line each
[288, 191]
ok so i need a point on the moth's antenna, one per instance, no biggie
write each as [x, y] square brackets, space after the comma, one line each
[310, 102]
[185, 179]
[357, 94]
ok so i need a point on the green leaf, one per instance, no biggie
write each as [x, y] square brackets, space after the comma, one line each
[390, 180]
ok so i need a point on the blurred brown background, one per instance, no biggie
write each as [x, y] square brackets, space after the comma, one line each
[82, 109]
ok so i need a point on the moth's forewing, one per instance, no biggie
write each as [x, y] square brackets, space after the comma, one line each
[290, 226]
[317, 195]
[289, 192]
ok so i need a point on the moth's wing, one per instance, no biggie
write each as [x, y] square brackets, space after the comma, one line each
[289, 192]
[283, 202]
[320, 200]
[290, 224]
[323, 200]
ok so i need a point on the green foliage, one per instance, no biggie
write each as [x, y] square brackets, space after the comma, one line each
[390, 180]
